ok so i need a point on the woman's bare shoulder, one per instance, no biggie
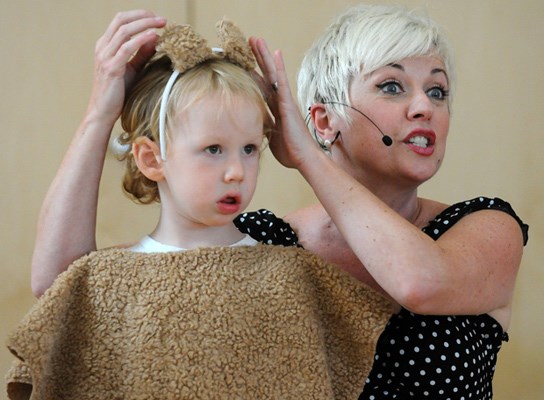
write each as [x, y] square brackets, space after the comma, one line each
[310, 225]
[304, 212]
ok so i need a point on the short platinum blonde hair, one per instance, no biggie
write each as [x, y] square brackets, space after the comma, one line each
[361, 40]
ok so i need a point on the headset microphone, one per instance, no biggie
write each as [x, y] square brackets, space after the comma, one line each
[385, 138]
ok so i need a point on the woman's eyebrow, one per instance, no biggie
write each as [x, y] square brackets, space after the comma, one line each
[440, 70]
[433, 71]
[395, 65]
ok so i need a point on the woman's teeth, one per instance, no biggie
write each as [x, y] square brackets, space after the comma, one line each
[420, 141]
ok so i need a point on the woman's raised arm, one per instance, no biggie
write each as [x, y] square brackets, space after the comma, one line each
[67, 221]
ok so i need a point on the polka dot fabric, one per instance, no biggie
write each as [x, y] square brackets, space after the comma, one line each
[435, 357]
[454, 213]
[439, 357]
[265, 227]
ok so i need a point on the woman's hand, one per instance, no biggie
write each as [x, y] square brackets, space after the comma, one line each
[290, 142]
[122, 51]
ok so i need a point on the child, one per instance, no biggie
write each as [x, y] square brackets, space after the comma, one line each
[197, 309]
[200, 153]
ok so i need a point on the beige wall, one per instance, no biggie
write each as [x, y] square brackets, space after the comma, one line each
[494, 149]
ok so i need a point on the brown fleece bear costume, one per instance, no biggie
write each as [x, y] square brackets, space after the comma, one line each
[264, 322]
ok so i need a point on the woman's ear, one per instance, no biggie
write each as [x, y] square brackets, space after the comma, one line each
[147, 156]
[322, 123]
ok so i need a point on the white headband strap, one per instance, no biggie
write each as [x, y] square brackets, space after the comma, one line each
[162, 112]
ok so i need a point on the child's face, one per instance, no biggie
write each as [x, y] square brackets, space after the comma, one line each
[212, 162]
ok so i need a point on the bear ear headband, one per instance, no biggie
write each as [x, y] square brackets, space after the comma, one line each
[186, 49]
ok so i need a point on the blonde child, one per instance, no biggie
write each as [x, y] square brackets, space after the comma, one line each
[197, 309]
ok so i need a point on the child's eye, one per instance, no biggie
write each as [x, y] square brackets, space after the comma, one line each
[214, 149]
[250, 148]
[438, 93]
[390, 87]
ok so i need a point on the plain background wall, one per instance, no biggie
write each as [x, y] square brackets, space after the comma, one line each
[494, 148]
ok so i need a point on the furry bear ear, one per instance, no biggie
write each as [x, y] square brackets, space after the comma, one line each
[147, 156]
[235, 45]
[183, 46]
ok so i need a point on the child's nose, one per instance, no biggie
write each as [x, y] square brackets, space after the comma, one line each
[235, 170]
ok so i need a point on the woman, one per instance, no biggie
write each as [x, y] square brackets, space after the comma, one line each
[377, 89]
[377, 73]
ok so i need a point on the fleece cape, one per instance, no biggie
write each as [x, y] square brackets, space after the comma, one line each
[264, 322]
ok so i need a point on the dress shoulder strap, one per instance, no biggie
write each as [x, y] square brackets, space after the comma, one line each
[451, 215]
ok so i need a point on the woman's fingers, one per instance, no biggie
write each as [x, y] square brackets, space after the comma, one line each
[143, 55]
[127, 35]
[123, 19]
[264, 60]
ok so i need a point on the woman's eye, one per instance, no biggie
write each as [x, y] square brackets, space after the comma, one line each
[390, 87]
[214, 149]
[438, 93]
[250, 148]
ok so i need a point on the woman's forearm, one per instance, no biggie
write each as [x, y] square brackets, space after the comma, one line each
[67, 221]
[458, 274]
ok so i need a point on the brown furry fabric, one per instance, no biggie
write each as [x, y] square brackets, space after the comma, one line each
[235, 44]
[263, 322]
[186, 48]
[183, 46]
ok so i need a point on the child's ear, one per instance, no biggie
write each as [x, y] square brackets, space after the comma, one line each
[147, 156]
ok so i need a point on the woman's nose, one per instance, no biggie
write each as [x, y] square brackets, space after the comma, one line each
[421, 106]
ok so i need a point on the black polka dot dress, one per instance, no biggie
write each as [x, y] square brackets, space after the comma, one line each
[265, 227]
[439, 357]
